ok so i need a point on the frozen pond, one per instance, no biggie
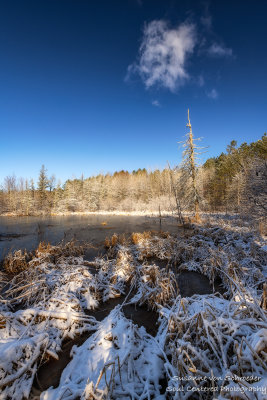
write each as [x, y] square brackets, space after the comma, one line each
[27, 232]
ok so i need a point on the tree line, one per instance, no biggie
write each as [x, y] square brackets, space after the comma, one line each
[235, 181]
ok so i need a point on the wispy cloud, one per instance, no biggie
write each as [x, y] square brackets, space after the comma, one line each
[213, 94]
[206, 20]
[218, 50]
[163, 54]
[156, 103]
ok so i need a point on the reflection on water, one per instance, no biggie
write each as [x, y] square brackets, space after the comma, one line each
[27, 232]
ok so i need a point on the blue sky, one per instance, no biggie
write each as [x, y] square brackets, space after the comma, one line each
[98, 86]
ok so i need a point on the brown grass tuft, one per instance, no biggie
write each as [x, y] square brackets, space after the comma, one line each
[262, 227]
[15, 263]
[2, 322]
[137, 237]
[20, 261]
[107, 243]
[114, 240]
[44, 247]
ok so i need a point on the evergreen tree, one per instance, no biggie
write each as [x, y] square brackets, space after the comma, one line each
[42, 186]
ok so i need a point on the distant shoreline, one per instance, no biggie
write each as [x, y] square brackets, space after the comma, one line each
[81, 213]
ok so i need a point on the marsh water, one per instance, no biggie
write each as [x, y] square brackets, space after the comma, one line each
[27, 232]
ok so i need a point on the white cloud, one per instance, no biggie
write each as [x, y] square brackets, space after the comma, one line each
[163, 54]
[156, 103]
[213, 94]
[219, 51]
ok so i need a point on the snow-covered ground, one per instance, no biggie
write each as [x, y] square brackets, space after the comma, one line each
[214, 216]
[213, 345]
[104, 212]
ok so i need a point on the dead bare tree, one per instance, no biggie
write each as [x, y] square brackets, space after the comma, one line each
[188, 182]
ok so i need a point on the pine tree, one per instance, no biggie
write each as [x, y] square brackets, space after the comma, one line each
[42, 186]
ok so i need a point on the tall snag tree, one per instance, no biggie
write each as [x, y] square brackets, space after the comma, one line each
[188, 180]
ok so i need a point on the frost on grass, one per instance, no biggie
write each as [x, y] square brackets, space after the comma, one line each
[213, 342]
[52, 291]
[216, 341]
[18, 364]
[154, 286]
[115, 273]
[119, 361]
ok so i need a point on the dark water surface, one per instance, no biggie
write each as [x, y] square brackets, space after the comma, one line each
[27, 232]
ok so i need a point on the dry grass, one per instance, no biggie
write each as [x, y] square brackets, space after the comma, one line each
[155, 287]
[138, 237]
[115, 240]
[209, 339]
[70, 249]
[209, 335]
[263, 302]
[20, 261]
[17, 262]
[2, 322]
[262, 226]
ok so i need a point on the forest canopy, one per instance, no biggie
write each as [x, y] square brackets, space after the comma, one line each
[235, 181]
